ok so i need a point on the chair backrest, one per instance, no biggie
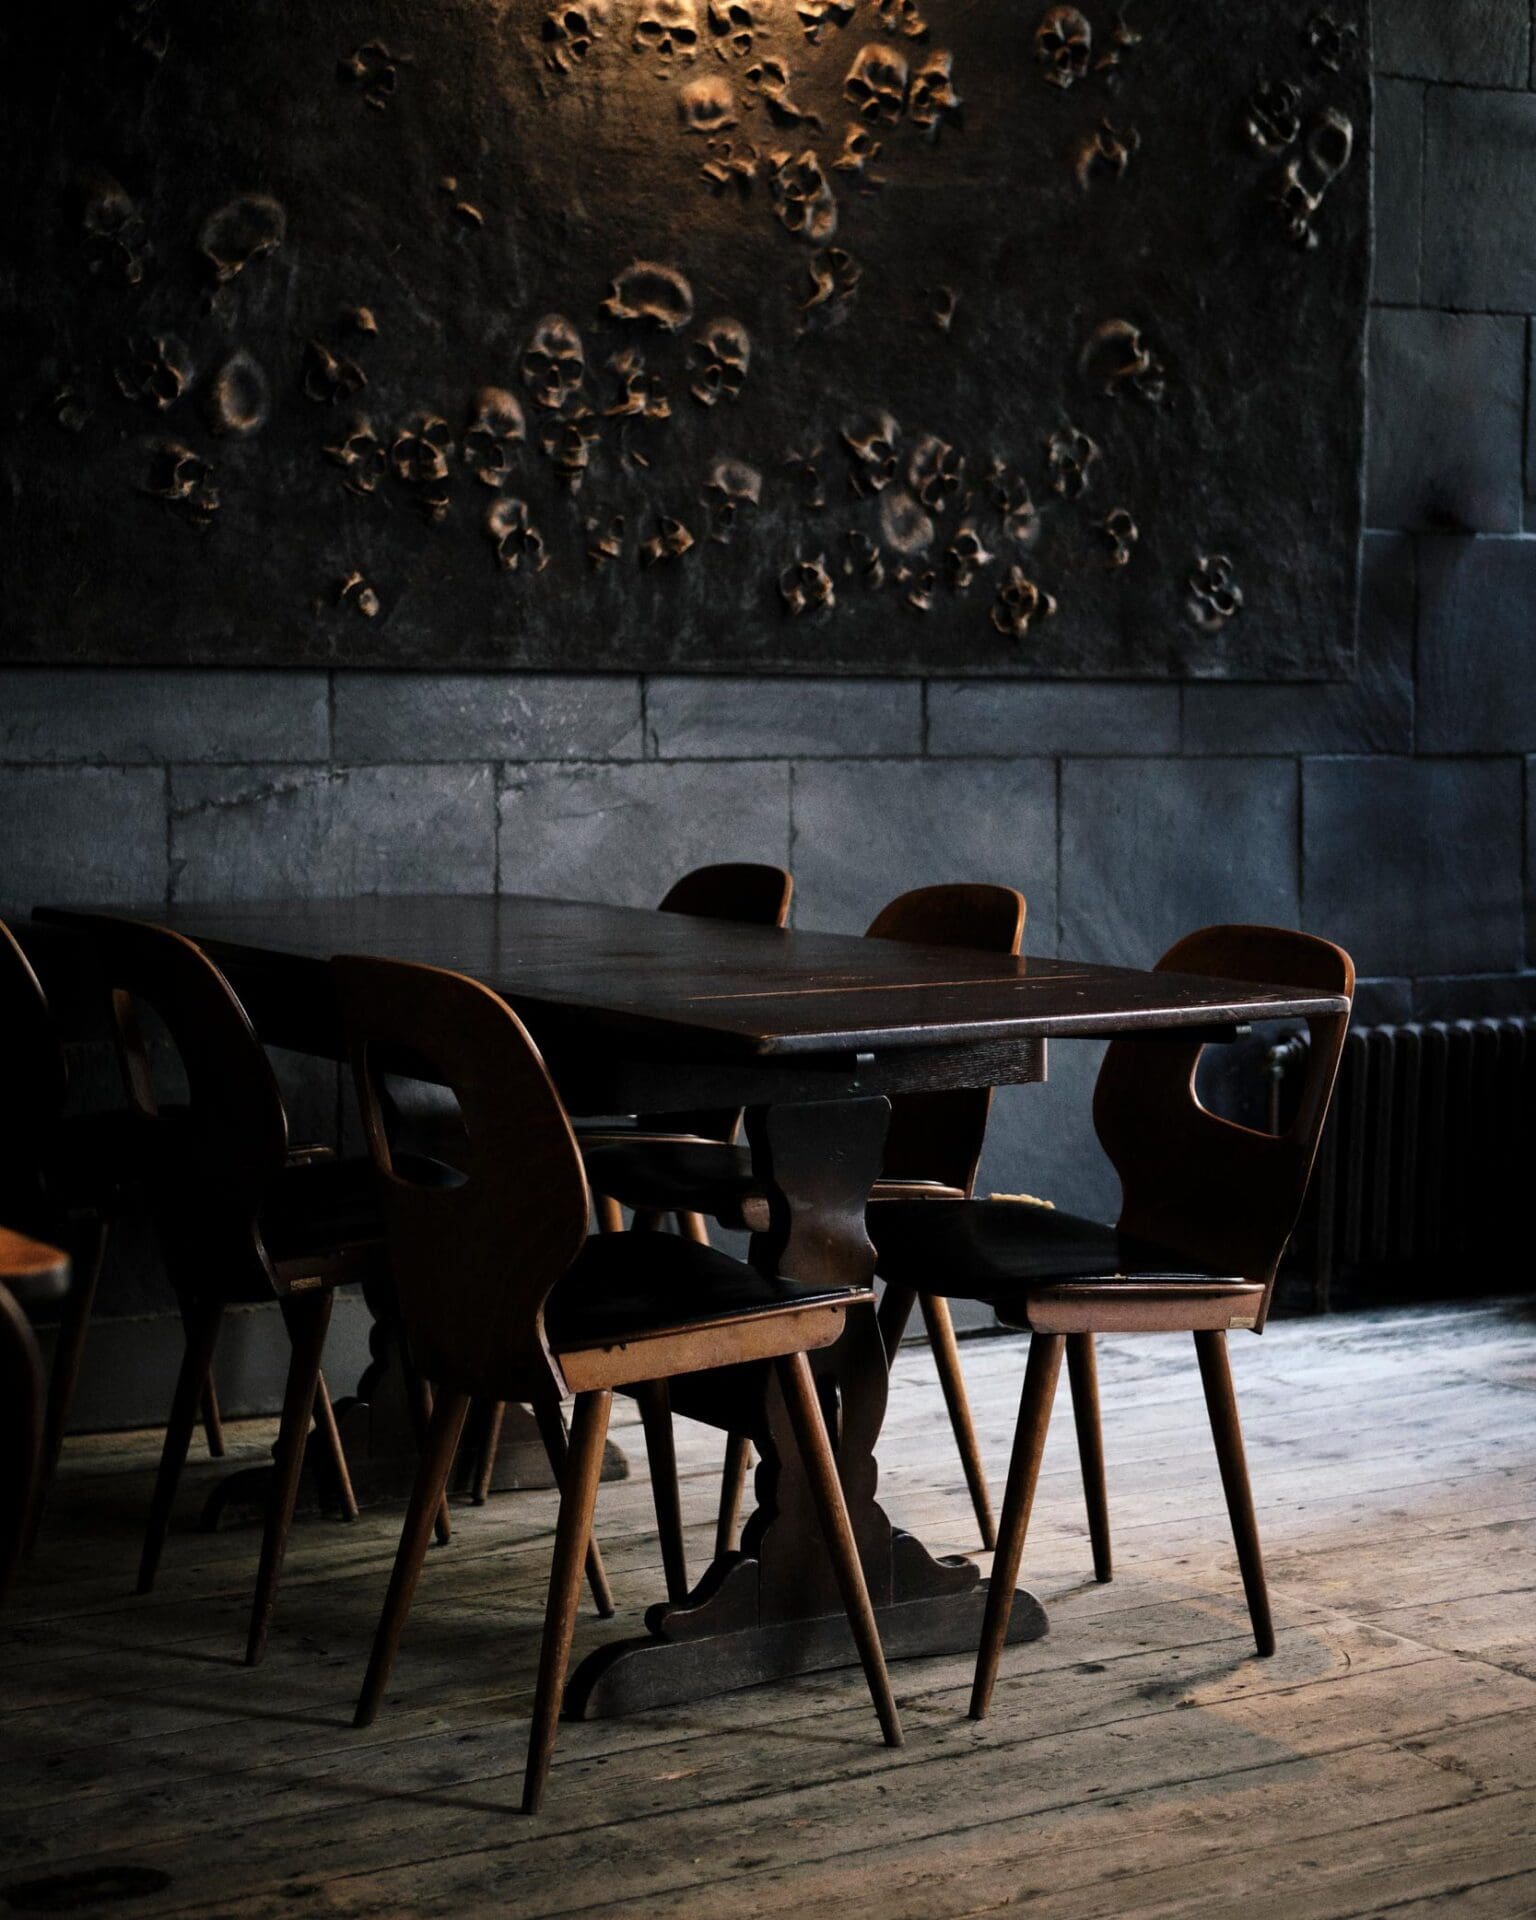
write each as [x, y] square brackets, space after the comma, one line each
[1206, 1187]
[214, 1155]
[758, 896]
[939, 1136]
[754, 896]
[474, 1256]
[34, 1077]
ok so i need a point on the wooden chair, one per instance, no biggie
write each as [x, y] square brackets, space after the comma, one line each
[1207, 1208]
[933, 1150]
[240, 1220]
[505, 1297]
[66, 1176]
[30, 1274]
[752, 895]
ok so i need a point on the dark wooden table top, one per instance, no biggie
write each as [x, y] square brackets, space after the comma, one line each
[730, 991]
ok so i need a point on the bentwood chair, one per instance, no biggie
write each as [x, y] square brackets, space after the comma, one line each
[65, 1176]
[750, 894]
[1207, 1207]
[239, 1218]
[933, 1149]
[30, 1274]
[505, 1296]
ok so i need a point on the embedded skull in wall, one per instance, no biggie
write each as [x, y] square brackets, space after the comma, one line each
[651, 293]
[731, 488]
[667, 28]
[494, 428]
[871, 444]
[554, 363]
[876, 83]
[1064, 46]
[570, 31]
[721, 356]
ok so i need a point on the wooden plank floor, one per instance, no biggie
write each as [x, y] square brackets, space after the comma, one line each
[1140, 1761]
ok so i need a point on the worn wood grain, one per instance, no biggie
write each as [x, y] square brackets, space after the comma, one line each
[1138, 1761]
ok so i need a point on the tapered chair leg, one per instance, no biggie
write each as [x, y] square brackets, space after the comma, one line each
[799, 1389]
[693, 1226]
[200, 1320]
[892, 1315]
[419, 1396]
[336, 1453]
[551, 1424]
[213, 1420]
[946, 1355]
[442, 1443]
[733, 1483]
[578, 1498]
[1083, 1374]
[1040, 1376]
[656, 1417]
[610, 1215]
[490, 1447]
[1221, 1403]
[307, 1317]
[74, 1324]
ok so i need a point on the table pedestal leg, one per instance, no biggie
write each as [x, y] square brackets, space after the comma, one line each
[772, 1610]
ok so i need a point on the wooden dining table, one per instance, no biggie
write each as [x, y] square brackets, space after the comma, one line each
[812, 1034]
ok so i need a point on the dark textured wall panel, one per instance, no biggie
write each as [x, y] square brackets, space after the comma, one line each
[1015, 340]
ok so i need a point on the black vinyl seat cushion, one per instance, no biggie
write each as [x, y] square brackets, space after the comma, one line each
[321, 1208]
[627, 1286]
[672, 1176]
[997, 1251]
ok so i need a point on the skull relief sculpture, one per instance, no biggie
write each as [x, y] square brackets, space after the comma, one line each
[936, 473]
[667, 28]
[1069, 454]
[1117, 359]
[329, 375]
[769, 80]
[184, 481]
[721, 356]
[731, 488]
[568, 444]
[871, 446]
[1107, 150]
[903, 17]
[115, 241]
[707, 105]
[1019, 602]
[933, 100]
[876, 83]
[493, 429]
[864, 561]
[1272, 120]
[361, 455]
[518, 544]
[420, 455]
[734, 23]
[802, 196]
[816, 16]
[245, 229]
[554, 362]
[238, 398]
[155, 368]
[670, 542]
[860, 152]
[570, 32]
[965, 556]
[1214, 595]
[904, 527]
[835, 277]
[642, 395]
[648, 292]
[1009, 493]
[805, 586]
[1121, 533]
[1064, 46]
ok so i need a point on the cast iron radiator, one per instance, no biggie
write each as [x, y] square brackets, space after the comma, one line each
[1422, 1176]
